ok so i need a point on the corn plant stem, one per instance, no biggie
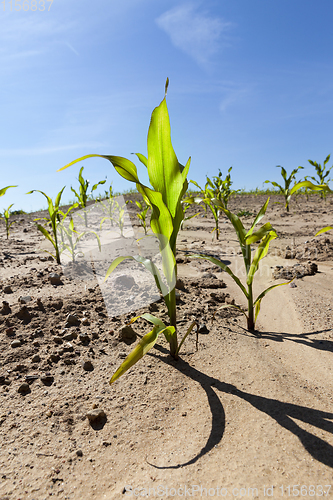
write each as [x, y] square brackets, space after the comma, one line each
[250, 318]
[173, 322]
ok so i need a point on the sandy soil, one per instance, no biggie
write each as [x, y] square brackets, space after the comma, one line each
[244, 416]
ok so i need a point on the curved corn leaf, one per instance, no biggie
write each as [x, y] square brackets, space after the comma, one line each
[145, 344]
[46, 234]
[260, 254]
[142, 158]
[224, 267]
[186, 334]
[224, 306]
[310, 185]
[257, 302]
[258, 218]
[3, 190]
[258, 235]
[324, 230]
[235, 221]
[149, 265]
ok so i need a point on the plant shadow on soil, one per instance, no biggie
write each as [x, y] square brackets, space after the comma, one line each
[301, 338]
[283, 413]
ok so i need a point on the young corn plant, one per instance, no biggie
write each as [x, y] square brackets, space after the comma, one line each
[168, 185]
[265, 235]
[116, 214]
[6, 216]
[286, 190]
[142, 214]
[70, 239]
[215, 188]
[83, 195]
[186, 206]
[53, 221]
[322, 174]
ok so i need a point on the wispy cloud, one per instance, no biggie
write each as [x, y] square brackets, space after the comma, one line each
[47, 150]
[196, 33]
[72, 48]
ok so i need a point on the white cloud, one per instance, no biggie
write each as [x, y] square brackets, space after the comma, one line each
[197, 34]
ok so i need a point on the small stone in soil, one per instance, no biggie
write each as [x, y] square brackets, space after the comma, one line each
[47, 379]
[24, 388]
[203, 329]
[15, 343]
[55, 279]
[87, 365]
[97, 414]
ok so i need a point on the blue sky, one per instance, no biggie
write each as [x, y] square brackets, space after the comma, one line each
[251, 86]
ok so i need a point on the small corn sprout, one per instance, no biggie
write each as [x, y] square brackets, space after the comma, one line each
[70, 239]
[265, 235]
[322, 174]
[219, 189]
[287, 191]
[53, 220]
[6, 215]
[142, 214]
[83, 195]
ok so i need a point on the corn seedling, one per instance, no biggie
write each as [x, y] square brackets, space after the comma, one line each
[186, 206]
[70, 239]
[142, 214]
[53, 220]
[215, 188]
[322, 174]
[265, 235]
[168, 180]
[116, 214]
[6, 216]
[287, 191]
[83, 195]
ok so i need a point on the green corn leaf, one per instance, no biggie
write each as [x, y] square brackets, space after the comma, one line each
[258, 235]
[46, 234]
[310, 185]
[145, 344]
[3, 190]
[224, 267]
[186, 334]
[324, 230]
[235, 221]
[142, 158]
[258, 218]
[58, 198]
[257, 302]
[260, 254]
[149, 265]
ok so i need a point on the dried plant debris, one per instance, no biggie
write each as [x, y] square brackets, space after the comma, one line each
[295, 271]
